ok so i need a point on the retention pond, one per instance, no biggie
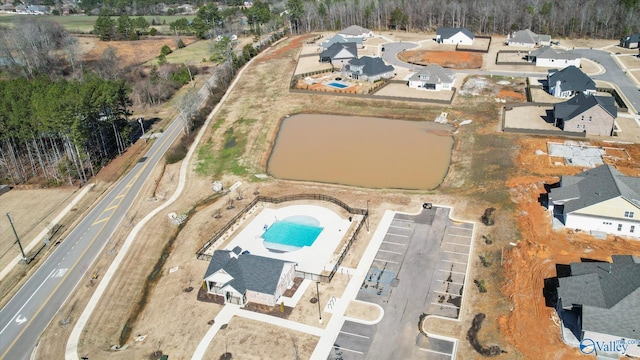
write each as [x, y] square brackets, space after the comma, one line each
[362, 151]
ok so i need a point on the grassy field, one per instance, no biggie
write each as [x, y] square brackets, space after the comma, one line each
[84, 24]
[192, 54]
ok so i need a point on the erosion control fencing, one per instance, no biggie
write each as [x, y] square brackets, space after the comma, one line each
[202, 255]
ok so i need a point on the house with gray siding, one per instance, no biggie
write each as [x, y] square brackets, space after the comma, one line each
[568, 82]
[528, 38]
[355, 31]
[594, 115]
[599, 304]
[341, 39]
[240, 277]
[339, 54]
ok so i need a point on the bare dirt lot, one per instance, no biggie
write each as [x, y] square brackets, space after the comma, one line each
[447, 59]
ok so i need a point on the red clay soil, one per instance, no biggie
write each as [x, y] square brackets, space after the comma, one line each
[294, 43]
[447, 59]
[532, 327]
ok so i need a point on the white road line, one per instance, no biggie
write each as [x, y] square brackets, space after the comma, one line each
[343, 348]
[453, 272]
[455, 262]
[405, 236]
[352, 334]
[449, 282]
[26, 302]
[435, 352]
[391, 252]
[445, 293]
[393, 243]
[399, 227]
[451, 306]
[392, 262]
[453, 252]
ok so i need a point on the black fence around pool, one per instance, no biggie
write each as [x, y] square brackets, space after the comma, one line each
[201, 254]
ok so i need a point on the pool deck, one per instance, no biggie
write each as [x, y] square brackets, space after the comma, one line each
[313, 259]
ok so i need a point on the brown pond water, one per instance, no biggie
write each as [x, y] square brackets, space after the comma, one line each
[362, 151]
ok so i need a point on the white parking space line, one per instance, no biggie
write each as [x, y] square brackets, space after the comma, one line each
[352, 334]
[460, 227]
[435, 352]
[405, 236]
[453, 252]
[387, 261]
[452, 243]
[449, 282]
[393, 243]
[455, 262]
[409, 221]
[453, 272]
[464, 236]
[400, 227]
[343, 348]
[450, 306]
[391, 252]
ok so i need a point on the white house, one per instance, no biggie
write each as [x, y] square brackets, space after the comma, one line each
[600, 200]
[240, 277]
[548, 57]
[598, 304]
[432, 77]
[460, 36]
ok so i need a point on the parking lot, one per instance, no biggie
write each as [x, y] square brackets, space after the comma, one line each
[419, 268]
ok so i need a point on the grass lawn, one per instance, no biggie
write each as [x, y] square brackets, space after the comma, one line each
[192, 54]
[84, 24]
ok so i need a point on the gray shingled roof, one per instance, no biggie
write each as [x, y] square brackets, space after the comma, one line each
[341, 39]
[581, 103]
[249, 272]
[524, 37]
[609, 294]
[594, 186]
[546, 52]
[447, 32]
[355, 30]
[372, 65]
[334, 49]
[571, 78]
[435, 74]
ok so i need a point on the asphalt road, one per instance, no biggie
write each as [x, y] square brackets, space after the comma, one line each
[34, 306]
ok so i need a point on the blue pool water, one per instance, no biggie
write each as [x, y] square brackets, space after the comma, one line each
[337, 85]
[292, 233]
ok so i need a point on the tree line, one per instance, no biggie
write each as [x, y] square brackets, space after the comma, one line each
[61, 130]
[558, 18]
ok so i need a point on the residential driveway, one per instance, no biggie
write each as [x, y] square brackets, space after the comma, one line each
[419, 268]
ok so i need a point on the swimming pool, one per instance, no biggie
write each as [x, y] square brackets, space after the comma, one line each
[337, 85]
[292, 233]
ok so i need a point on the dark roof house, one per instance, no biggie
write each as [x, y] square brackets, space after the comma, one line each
[568, 82]
[599, 200]
[234, 273]
[339, 53]
[605, 297]
[630, 42]
[449, 35]
[342, 39]
[368, 68]
[592, 114]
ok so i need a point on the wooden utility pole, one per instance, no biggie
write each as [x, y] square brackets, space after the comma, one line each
[24, 257]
